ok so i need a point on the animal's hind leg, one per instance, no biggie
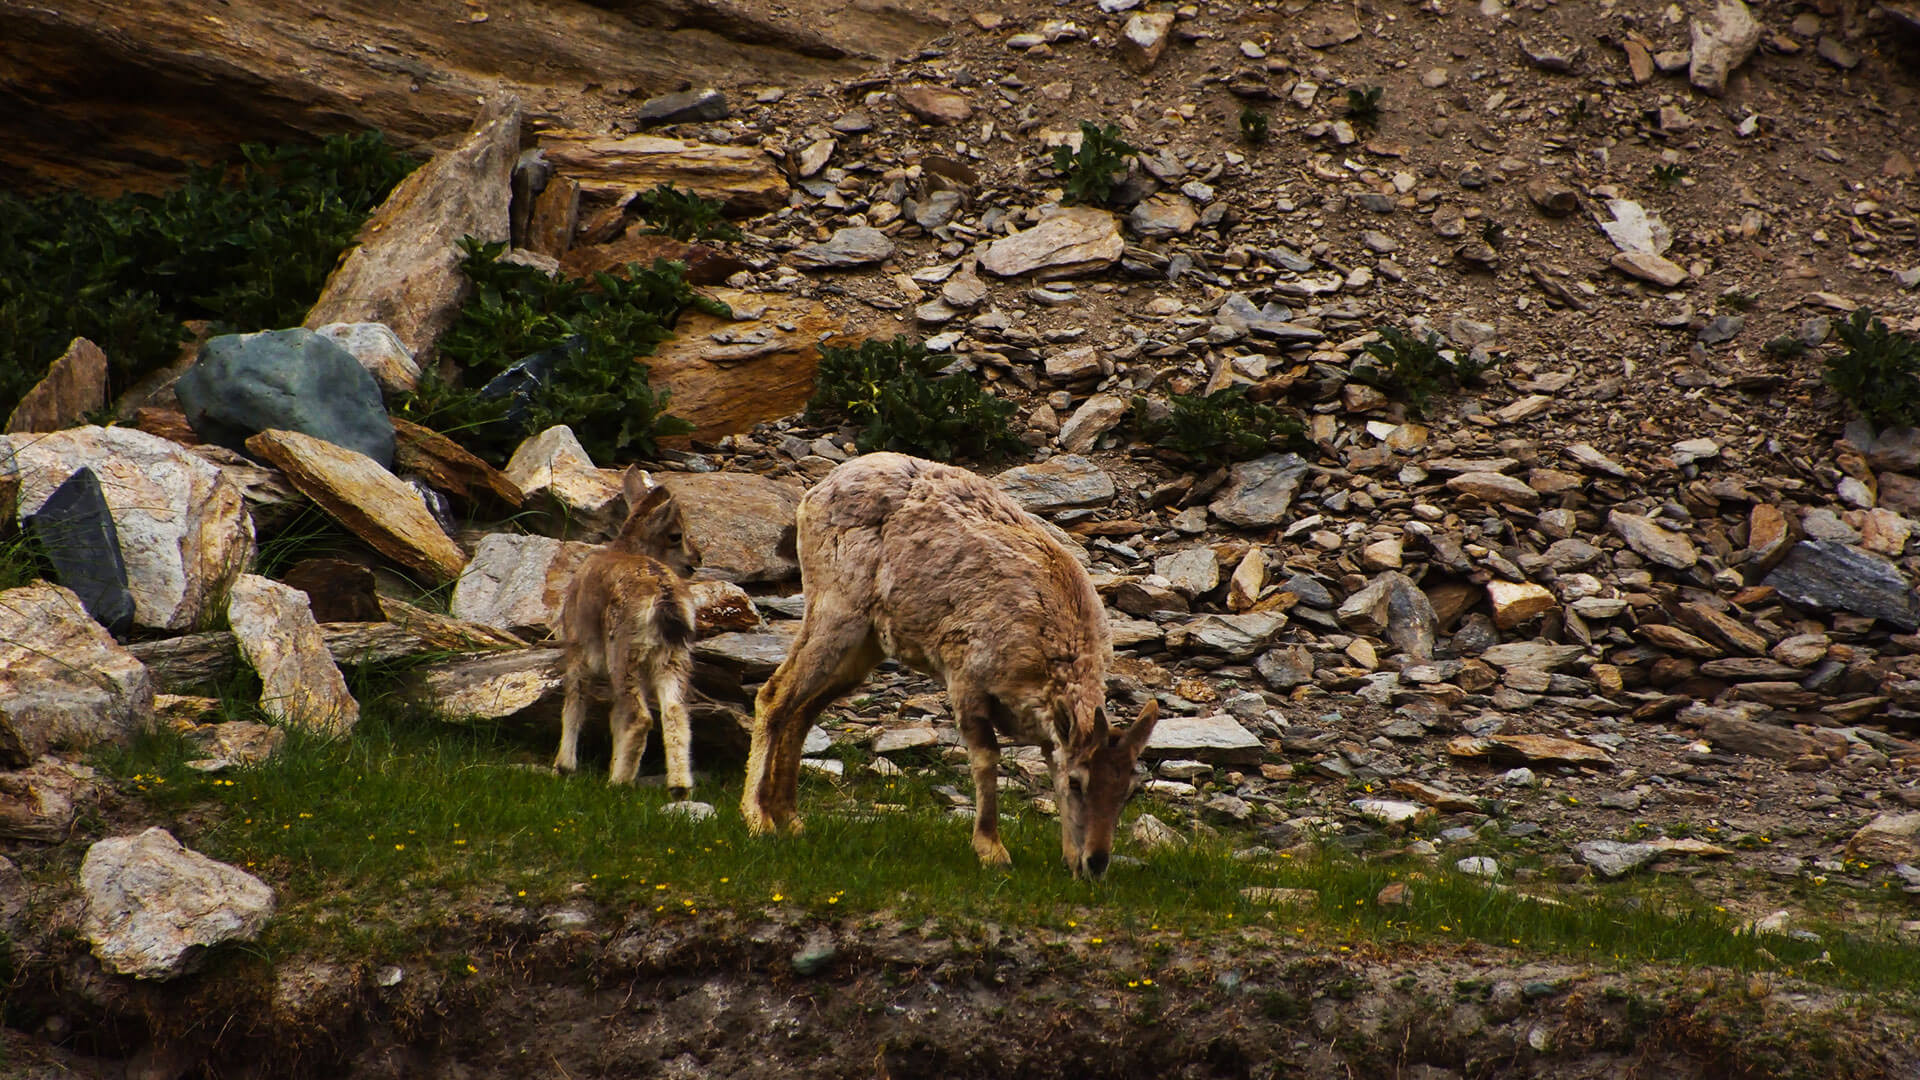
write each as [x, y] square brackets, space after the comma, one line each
[631, 720]
[972, 710]
[572, 714]
[676, 728]
[832, 654]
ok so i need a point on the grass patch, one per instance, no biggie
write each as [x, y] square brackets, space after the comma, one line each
[22, 562]
[893, 392]
[413, 821]
[247, 246]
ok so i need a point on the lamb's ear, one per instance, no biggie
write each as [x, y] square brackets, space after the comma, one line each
[635, 484]
[1136, 736]
[1100, 726]
[1062, 725]
[654, 511]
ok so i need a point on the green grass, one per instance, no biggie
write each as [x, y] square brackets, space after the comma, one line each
[375, 840]
[22, 562]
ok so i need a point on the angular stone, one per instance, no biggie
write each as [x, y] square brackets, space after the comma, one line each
[1888, 838]
[727, 375]
[1217, 739]
[405, 271]
[1095, 417]
[1393, 605]
[1647, 266]
[1150, 833]
[742, 176]
[1390, 811]
[1164, 215]
[935, 105]
[75, 384]
[1553, 196]
[378, 349]
[1143, 39]
[1635, 231]
[1058, 483]
[1068, 241]
[1652, 542]
[1494, 488]
[706, 264]
[64, 682]
[1530, 749]
[894, 740]
[848, 248]
[1249, 580]
[1074, 365]
[1830, 576]
[1674, 639]
[1724, 629]
[492, 685]
[1193, 572]
[1516, 602]
[75, 531]
[447, 467]
[182, 523]
[751, 657]
[1721, 43]
[553, 464]
[41, 802]
[1285, 667]
[154, 907]
[686, 107]
[517, 582]
[723, 607]
[299, 683]
[1729, 732]
[1615, 858]
[743, 523]
[1884, 532]
[1771, 534]
[284, 380]
[367, 500]
[1441, 799]
[1259, 493]
[234, 744]
[1237, 637]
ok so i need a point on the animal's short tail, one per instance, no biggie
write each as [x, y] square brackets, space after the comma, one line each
[673, 622]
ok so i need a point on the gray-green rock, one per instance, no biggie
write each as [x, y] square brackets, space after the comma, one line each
[287, 380]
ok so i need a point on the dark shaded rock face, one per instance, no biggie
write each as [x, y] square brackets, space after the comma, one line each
[75, 529]
[290, 380]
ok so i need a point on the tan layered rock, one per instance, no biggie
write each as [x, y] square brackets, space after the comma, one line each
[447, 466]
[742, 522]
[184, 530]
[935, 104]
[1514, 602]
[276, 635]
[74, 385]
[405, 271]
[555, 469]
[1068, 241]
[727, 375]
[743, 177]
[368, 500]
[1534, 749]
[153, 907]
[491, 686]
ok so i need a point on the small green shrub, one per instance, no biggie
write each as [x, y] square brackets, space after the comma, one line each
[1253, 125]
[1414, 368]
[891, 392]
[1088, 172]
[592, 332]
[247, 248]
[1879, 373]
[1493, 232]
[1735, 300]
[1218, 428]
[1363, 106]
[1668, 175]
[684, 215]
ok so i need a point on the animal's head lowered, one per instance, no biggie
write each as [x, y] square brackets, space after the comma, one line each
[654, 527]
[1092, 779]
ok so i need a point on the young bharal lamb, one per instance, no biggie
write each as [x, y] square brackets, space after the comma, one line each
[937, 568]
[629, 618]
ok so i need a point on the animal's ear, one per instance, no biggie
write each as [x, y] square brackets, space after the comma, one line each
[1062, 725]
[635, 484]
[1100, 726]
[1136, 736]
[654, 513]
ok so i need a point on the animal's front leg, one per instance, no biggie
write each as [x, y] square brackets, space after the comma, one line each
[983, 754]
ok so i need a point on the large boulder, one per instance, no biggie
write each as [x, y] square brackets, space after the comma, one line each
[64, 681]
[153, 907]
[405, 272]
[742, 522]
[516, 582]
[182, 522]
[287, 380]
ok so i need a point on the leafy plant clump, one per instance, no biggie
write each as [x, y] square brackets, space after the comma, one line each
[1784, 347]
[684, 215]
[1415, 368]
[1217, 428]
[1363, 106]
[1089, 171]
[1253, 125]
[892, 392]
[246, 247]
[539, 351]
[1668, 175]
[1879, 373]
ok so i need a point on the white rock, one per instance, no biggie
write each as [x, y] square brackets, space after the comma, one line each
[1067, 241]
[553, 462]
[152, 906]
[690, 809]
[1216, 738]
[514, 582]
[185, 533]
[1388, 811]
[64, 681]
[299, 683]
[1478, 866]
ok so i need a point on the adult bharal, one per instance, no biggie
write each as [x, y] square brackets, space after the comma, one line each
[937, 568]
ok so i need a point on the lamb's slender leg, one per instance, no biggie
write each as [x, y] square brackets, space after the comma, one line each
[676, 728]
[831, 655]
[971, 709]
[632, 721]
[573, 713]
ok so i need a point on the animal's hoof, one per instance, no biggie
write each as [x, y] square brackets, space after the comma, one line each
[992, 852]
[679, 794]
